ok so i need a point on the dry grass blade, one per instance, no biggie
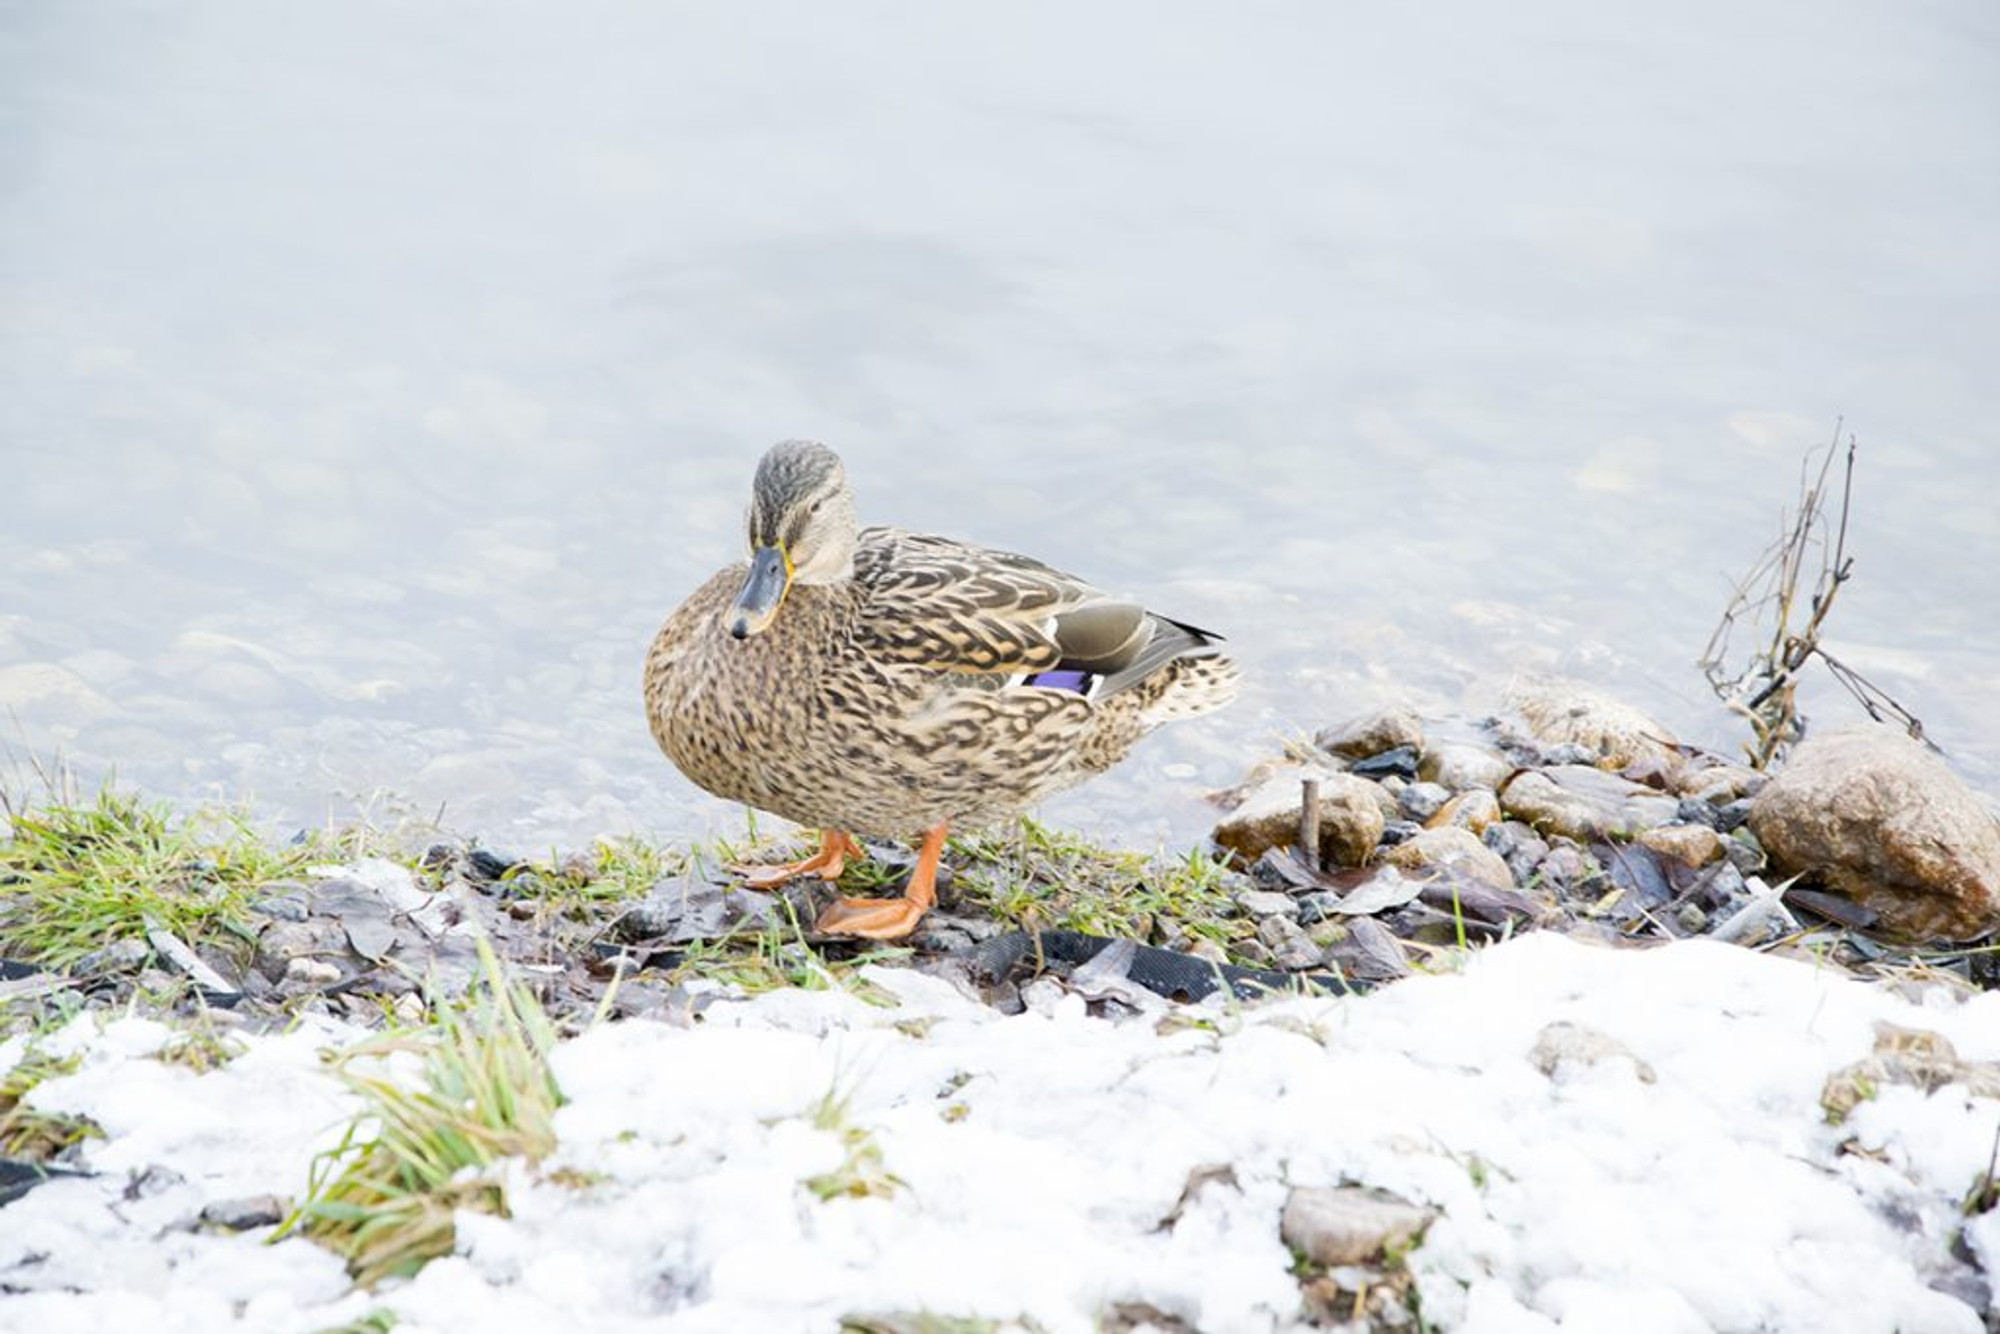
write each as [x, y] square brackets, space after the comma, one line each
[385, 1197]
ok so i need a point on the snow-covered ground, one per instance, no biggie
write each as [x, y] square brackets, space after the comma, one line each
[1693, 1184]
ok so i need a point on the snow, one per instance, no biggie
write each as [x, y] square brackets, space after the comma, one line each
[1038, 1155]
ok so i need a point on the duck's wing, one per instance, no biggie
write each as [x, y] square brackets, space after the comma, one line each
[952, 606]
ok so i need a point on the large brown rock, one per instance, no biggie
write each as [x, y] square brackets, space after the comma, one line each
[1350, 817]
[1873, 815]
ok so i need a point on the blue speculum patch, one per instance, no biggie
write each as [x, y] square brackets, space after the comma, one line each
[1059, 680]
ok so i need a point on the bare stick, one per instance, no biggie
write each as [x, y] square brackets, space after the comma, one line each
[1309, 823]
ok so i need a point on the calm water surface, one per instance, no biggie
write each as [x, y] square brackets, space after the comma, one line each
[375, 377]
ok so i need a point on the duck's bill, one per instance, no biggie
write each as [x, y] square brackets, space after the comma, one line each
[763, 590]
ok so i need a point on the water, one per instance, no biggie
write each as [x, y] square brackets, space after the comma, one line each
[375, 377]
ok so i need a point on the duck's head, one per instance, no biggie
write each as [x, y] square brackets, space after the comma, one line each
[801, 529]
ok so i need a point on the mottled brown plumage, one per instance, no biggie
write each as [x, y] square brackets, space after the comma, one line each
[873, 680]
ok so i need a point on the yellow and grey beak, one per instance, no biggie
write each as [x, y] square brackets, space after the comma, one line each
[763, 592]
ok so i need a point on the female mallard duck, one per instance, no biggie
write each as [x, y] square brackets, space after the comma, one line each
[888, 683]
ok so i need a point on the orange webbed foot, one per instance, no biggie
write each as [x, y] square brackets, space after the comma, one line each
[890, 919]
[835, 847]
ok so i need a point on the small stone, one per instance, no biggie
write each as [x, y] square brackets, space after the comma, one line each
[1399, 831]
[1372, 734]
[250, 1211]
[1730, 816]
[1349, 1225]
[1744, 852]
[1477, 810]
[1689, 844]
[1691, 919]
[1208, 950]
[120, 956]
[1563, 1048]
[1585, 804]
[1420, 801]
[1693, 810]
[1266, 903]
[1460, 766]
[1398, 763]
[1719, 784]
[1453, 848]
[311, 972]
[1570, 752]
[1350, 818]
[1871, 814]
[1316, 906]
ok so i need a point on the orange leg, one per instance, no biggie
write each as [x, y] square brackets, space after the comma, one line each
[891, 919]
[835, 848]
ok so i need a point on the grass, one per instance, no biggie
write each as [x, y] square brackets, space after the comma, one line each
[385, 1196]
[777, 956]
[861, 1173]
[1038, 877]
[26, 1132]
[77, 876]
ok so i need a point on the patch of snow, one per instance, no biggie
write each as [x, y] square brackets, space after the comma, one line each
[1039, 1158]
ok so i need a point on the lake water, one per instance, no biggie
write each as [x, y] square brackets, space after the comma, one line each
[374, 377]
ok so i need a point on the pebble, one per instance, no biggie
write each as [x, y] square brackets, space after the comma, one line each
[1477, 810]
[250, 1211]
[1730, 817]
[1398, 763]
[1316, 906]
[1420, 801]
[1349, 1225]
[1374, 733]
[1399, 831]
[1745, 853]
[1459, 766]
[1267, 903]
[1453, 848]
[1693, 810]
[1689, 844]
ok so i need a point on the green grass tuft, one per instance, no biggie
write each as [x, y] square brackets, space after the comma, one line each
[76, 876]
[1035, 876]
[384, 1197]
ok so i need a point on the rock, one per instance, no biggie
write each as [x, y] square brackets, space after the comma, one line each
[1518, 846]
[1362, 948]
[1745, 853]
[1349, 1225]
[1420, 801]
[1585, 804]
[1477, 810]
[1317, 906]
[1350, 818]
[1719, 784]
[1692, 811]
[1915, 1057]
[1399, 831]
[1400, 763]
[1558, 711]
[1359, 738]
[1452, 848]
[242, 1214]
[1267, 903]
[1571, 752]
[1292, 949]
[1871, 814]
[1460, 766]
[1689, 844]
[120, 956]
[1731, 815]
[1562, 1049]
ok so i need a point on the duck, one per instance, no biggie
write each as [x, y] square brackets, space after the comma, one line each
[895, 685]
